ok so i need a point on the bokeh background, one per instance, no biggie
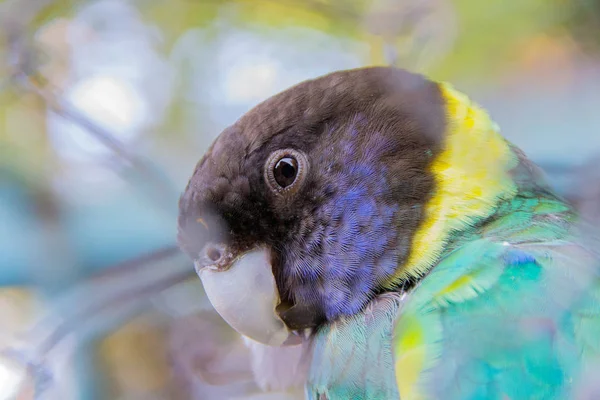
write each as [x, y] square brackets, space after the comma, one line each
[106, 106]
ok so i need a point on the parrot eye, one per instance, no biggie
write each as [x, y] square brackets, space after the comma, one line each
[285, 170]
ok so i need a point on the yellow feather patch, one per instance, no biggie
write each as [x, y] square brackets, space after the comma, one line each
[458, 284]
[471, 175]
[411, 359]
[416, 349]
[467, 286]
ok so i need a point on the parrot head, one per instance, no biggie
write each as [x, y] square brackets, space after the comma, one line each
[321, 198]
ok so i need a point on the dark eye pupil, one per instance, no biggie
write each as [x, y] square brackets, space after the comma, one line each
[285, 171]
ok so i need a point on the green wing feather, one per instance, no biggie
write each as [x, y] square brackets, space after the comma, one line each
[518, 302]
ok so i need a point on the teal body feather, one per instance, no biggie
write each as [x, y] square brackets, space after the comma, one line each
[511, 311]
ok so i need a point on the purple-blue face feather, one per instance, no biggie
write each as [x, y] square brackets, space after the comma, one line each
[340, 265]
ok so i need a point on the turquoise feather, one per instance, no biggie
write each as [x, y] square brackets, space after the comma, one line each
[353, 357]
[511, 311]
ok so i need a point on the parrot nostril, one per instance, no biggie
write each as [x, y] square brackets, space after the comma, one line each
[213, 256]
[213, 253]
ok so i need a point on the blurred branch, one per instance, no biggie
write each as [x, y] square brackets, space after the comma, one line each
[96, 306]
[23, 61]
[68, 111]
[116, 299]
[16, 17]
[65, 109]
[137, 264]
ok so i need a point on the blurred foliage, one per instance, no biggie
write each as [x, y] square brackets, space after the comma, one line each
[486, 39]
[334, 17]
[489, 38]
[583, 20]
[492, 35]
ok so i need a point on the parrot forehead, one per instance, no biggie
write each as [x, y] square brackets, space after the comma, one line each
[378, 93]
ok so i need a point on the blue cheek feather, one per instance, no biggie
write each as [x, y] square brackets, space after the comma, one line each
[355, 260]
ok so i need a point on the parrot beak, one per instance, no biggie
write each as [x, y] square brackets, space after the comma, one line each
[242, 289]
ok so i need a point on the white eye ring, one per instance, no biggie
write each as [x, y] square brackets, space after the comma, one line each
[297, 159]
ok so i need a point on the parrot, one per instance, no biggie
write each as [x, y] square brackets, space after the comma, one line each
[378, 223]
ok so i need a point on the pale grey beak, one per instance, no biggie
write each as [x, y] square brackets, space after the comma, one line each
[245, 295]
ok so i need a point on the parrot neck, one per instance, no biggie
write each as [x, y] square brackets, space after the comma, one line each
[472, 176]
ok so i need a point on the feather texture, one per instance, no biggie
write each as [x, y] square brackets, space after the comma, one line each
[510, 309]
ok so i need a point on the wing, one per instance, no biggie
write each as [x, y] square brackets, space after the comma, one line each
[514, 313]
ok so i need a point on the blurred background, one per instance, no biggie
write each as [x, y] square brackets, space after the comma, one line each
[106, 106]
